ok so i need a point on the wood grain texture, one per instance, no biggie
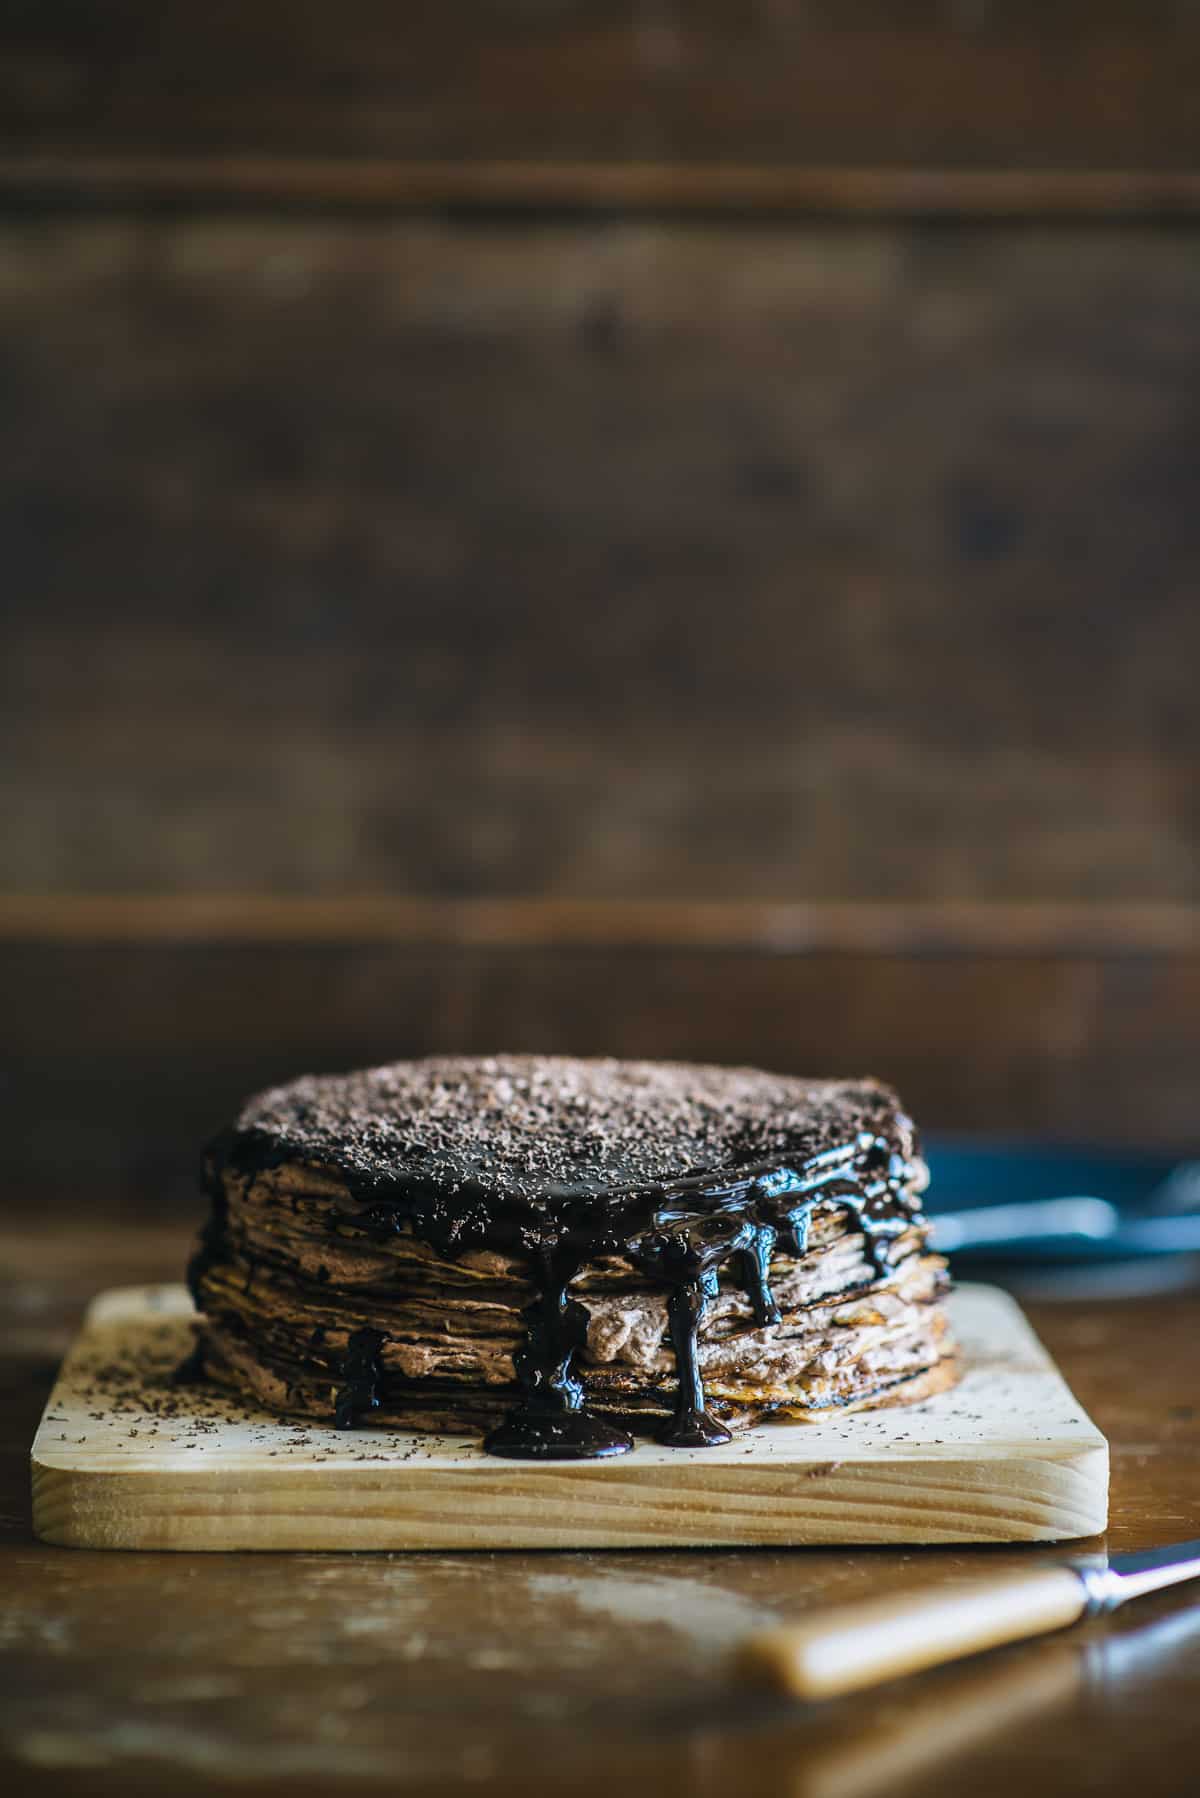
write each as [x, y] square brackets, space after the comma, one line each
[586, 102]
[781, 927]
[443, 560]
[124, 1460]
[131, 1673]
[125, 1058]
[64, 182]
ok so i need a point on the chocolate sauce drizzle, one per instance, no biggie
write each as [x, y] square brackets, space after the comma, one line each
[682, 1235]
[362, 1372]
[551, 1423]
[192, 1370]
[681, 1239]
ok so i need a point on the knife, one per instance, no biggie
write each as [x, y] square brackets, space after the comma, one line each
[1061, 1231]
[853, 1646]
[1068, 1229]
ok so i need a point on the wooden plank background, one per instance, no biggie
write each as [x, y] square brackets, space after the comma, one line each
[429, 558]
[827, 103]
[132, 1054]
[457, 596]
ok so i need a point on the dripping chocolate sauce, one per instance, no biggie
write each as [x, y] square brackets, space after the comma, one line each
[551, 1422]
[682, 1237]
[362, 1373]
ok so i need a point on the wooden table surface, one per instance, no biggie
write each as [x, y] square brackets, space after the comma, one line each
[597, 1672]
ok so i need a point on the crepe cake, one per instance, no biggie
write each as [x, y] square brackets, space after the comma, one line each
[558, 1253]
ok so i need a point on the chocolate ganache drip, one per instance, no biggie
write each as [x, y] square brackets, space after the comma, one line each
[362, 1372]
[551, 1423]
[682, 1233]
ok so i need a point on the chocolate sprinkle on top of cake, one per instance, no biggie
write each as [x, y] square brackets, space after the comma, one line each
[537, 1128]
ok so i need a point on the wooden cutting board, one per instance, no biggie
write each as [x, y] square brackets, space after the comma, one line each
[125, 1459]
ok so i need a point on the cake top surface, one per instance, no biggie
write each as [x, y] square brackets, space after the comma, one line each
[535, 1128]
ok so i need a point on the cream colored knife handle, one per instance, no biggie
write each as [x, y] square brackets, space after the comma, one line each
[857, 1645]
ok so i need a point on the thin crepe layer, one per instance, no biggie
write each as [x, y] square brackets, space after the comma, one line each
[297, 1282]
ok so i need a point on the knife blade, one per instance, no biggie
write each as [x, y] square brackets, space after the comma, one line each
[854, 1646]
[1128, 1576]
[1063, 1231]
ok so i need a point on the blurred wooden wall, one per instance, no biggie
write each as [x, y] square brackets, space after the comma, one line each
[657, 529]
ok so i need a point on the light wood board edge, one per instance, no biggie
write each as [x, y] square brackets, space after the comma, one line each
[1046, 1498]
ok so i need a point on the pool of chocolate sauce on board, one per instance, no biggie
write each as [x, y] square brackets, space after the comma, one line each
[685, 1235]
